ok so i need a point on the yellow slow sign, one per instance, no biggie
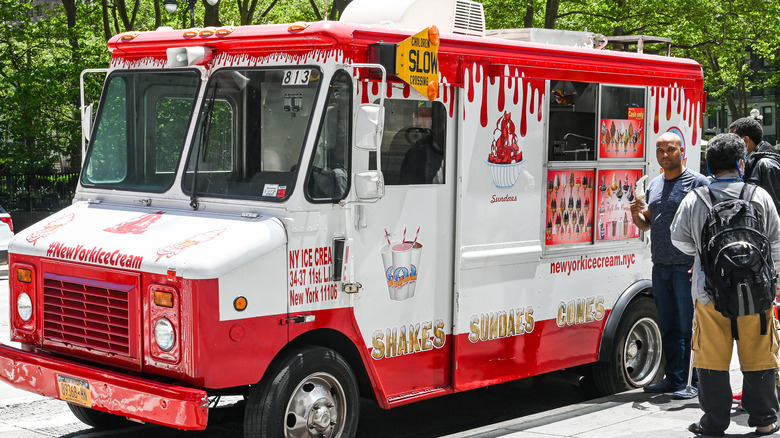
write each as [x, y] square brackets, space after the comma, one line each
[417, 62]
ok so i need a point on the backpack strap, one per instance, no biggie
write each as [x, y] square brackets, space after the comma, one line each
[734, 332]
[747, 191]
[701, 192]
[763, 323]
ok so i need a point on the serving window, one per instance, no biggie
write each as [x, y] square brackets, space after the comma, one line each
[616, 190]
[621, 123]
[569, 209]
[603, 125]
[572, 121]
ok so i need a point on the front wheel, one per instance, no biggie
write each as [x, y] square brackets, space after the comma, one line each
[311, 393]
[635, 359]
[99, 419]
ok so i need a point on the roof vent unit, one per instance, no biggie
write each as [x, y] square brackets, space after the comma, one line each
[464, 17]
[568, 38]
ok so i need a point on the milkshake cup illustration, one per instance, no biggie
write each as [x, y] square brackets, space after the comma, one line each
[401, 262]
[415, 267]
[625, 225]
[387, 262]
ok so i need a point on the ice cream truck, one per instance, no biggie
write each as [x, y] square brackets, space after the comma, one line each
[397, 206]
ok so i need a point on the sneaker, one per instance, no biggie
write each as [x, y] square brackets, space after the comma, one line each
[685, 394]
[664, 387]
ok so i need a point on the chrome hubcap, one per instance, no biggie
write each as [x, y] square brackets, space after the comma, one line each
[317, 408]
[642, 352]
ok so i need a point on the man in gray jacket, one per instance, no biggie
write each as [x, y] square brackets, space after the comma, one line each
[712, 338]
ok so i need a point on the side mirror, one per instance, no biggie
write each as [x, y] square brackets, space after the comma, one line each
[369, 186]
[369, 126]
[86, 121]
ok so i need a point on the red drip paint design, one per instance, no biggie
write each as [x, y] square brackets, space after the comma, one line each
[452, 101]
[375, 88]
[694, 116]
[540, 99]
[523, 114]
[483, 116]
[679, 100]
[470, 82]
[657, 109]
[364, 92]
[501, 93]
[517, 91]
[407, 90]
[669, 107]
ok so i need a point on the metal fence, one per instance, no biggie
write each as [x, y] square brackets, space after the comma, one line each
[37, 192]
[31, 197]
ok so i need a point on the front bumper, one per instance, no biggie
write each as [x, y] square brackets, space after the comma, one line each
[116, 393]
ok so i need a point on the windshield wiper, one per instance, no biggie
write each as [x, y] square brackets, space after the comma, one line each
[205, 130]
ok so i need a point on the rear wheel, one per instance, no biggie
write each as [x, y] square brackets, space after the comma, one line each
[635, 359]
[311, 393]
[99, 419]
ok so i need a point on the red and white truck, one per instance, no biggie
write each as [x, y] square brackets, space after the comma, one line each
[311, 213]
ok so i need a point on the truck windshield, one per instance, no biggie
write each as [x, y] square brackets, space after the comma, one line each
[250, 133]
[140, 130]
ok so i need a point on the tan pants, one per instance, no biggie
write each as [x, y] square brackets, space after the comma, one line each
[713, 344]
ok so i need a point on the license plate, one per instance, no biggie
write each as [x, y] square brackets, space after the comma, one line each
[74, 391]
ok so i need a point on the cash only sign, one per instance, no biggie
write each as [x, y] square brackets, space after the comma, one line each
[417, 62]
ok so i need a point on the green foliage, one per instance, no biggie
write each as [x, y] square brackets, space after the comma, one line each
[720, 34]
[42, 51]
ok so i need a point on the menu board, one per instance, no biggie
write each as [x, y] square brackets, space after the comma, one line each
[615, 192]
[569, 216]
[623, 138]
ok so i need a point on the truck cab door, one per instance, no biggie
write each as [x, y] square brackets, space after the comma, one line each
[403, 250]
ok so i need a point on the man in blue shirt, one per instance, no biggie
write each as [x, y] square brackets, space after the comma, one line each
[671, 276]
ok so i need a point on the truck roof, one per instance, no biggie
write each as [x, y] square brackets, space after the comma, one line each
[455, 52]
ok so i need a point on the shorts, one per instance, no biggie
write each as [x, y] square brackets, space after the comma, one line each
[713, 344]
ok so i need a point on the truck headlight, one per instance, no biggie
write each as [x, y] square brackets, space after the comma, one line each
[164, 334]
[24, 306]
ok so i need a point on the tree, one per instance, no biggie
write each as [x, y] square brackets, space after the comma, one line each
[728, 37]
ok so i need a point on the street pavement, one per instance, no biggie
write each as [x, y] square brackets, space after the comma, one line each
[629, 414]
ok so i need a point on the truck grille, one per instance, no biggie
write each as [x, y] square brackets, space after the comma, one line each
[92, 314]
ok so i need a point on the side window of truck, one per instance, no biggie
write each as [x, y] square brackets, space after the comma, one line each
[572, 121]
[596, 157]
[414, 143]
[328, 179]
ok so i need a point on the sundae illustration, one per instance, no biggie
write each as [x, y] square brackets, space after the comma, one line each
[136, 226]
[50, 228]
[505, 155]
[401, 261]
[176, 248]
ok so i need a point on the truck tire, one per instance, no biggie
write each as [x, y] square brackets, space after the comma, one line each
[635, 359]
[99, 419]
[311, 393]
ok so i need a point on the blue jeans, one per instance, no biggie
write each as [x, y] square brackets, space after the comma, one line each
[672, 293]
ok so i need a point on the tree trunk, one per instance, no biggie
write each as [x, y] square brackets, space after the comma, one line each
[337, 8]
[212, 15]
[528, 20]
[551, 13]
[75, 101]
[106, 23]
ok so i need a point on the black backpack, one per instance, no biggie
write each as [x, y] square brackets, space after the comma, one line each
[736, 257]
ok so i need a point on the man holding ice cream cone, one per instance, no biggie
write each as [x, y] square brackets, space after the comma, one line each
[671, 277]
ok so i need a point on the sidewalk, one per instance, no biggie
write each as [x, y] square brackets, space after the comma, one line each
[629, 414]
